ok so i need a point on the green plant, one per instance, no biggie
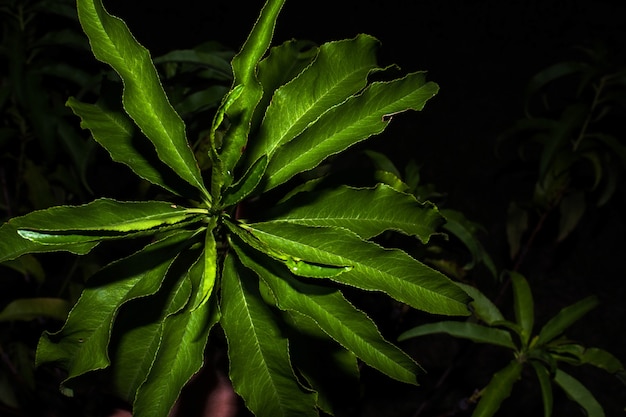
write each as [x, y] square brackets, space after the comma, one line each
[239, 241]
[544, 352]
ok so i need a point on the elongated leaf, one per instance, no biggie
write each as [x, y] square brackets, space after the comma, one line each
[466, 330]
[545, 383]
[12, 245]
[577, 392]
[283, 63]
[354, 120]
[523, 305]
[206, 269]
[115, 132]
[565, 318]
[338, 318]
[144, 98]
[260, 369]
[373, 268]
[180, 356]
[245, 74]
[32, 308]
[105, 215]
[602, 359]
[498, 389]
[138, 332]
[365, 211]
[339, 70]
[81, 345]
[482, 306]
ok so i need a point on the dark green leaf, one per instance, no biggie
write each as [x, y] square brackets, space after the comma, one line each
[523, 306]
[498, 389]
[32, 308]
[482, 306]
[373, 268]
[338, 318]
[247, 184]
[466, 330]
[564, 319]
[545, 383]
[577, 392]
[260, 369]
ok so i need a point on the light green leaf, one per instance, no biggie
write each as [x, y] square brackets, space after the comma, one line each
[373, 268]
[523, 306]
[339, 70]
[545, 383]
[482, 306]
[32, 308]
[356, 119]
[577, 392]
[180, 356]
[366, 211]
[81, 345]
[245, 74]
[338, 318]
[207, 267]
[466, 330]
[498, 389]
[12, 245]
[260, 369]
[115, 132]
[283, 63]
[564, 319]
[144, 98]
[105, 215]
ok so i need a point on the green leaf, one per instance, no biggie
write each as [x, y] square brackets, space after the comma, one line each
[466, 330]
[207, 266]
[577, 392]
[602, 359]
[523, 306]
[339, 70]
[338, 318]
[81, 345]
[373, 268]
[245, 74]
[498, 389]
[12, 245]
[564, 319]
[32, 308]
[247, 184]
[144, 98]
[260, 369]
[138, 331]
[180, 356]
[365, 211]
[105, 215]
[356, 119]
[283, 63]
[115, 132]
[482, 307]
[545, 383]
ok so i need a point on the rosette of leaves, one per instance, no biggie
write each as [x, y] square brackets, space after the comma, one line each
[544, 352]
[271, 281]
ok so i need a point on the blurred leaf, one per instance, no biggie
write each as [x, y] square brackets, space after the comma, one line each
[498, 389]
[466, 330]
[577, 392]
[545, 383]
[523, 306]
[572, 209]
[33, 308]
[564, 319]
[482, 306]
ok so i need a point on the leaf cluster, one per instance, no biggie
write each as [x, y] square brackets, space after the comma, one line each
[271, 279]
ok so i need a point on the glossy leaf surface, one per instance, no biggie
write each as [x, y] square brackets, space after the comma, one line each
[373, 268]
[260, 369]
[356, 119]
[366, 211]
[143, 97]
